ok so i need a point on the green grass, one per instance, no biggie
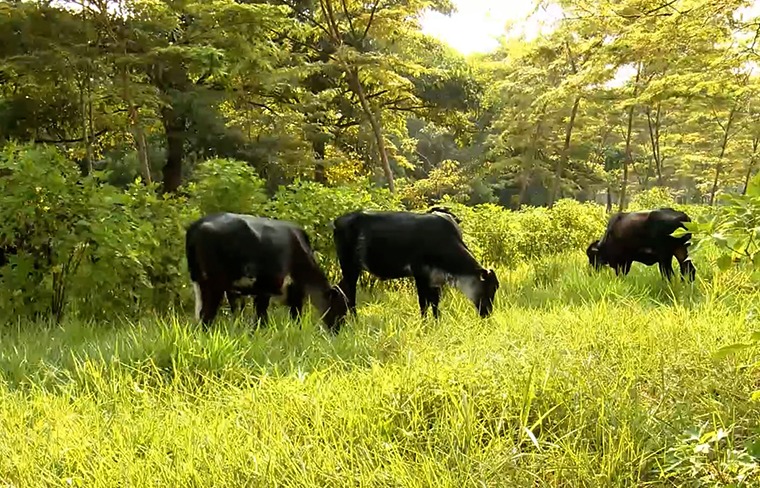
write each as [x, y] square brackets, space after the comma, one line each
[576, 380]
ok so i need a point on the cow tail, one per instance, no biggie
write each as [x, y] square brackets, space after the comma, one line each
[345, 236]
[193, 265]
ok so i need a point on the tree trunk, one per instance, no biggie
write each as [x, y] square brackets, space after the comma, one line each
[174, 126]
[654, 138]
[87, 168]
[524, 182]
[751, 165]
[319, 148]
[376, 129]
[723, 145]
[527, 172]
[565, 156]
[142, 148]
[609, 198]
[628, 156]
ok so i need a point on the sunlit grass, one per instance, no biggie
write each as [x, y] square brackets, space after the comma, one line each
[578, 379]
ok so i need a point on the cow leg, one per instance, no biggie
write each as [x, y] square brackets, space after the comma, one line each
[666, 267]
[422, 293]
[685, 263]
[211, 299]
[348, 285]
[262, 304]
[236, 302]
[294, 300]
[435, 299]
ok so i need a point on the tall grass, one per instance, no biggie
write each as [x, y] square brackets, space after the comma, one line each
[578, 379]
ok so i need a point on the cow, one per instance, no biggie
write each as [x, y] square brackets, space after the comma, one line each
[425, 246]
[644, 237]
[239, 255]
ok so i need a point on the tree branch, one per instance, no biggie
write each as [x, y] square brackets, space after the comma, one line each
[304, 16]
[348, 17]
[42, 140]
[371, 18]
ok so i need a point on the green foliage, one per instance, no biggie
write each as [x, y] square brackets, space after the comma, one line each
[139, 262]
[734, 227]
[82, 241]
[314, 207]
[222, 185]
[507, 238]
[44, 214]
[658, 197]
[712, 456]
[445, 180]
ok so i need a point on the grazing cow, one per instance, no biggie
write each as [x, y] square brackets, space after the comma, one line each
[425, 246]
[237, 255]
[644, 237]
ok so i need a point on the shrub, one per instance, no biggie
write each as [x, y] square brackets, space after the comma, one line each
[45, 222]
[315, 206]
[497, 235]
[225, 185]
[653, 198]
[78, 241]
[139, 260]
[445, 180]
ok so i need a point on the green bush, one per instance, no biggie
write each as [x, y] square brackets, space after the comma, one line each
[46, 216]
[84, 243]
[225, 185]
[315, 206]
[139, 261]
[500, 236]
[653, 198]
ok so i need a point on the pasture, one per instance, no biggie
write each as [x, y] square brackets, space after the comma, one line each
[578, 379]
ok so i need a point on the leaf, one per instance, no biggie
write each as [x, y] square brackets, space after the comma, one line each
[753, 189]
[720, 239]
[731, 349]
[724, 262]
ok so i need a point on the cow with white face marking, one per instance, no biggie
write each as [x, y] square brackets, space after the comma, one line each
[425, 246]
[238, 255]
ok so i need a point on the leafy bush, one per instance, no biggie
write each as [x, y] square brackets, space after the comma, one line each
[225, 185]
[315, 206]
[734, 227]
[653, 198]
[45, 226]
[77, 241]
[500, 236]
[445, 180]
[139, 259]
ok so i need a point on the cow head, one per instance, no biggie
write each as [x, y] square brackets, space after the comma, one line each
[488, 284]
[595, 256]
[337, 308]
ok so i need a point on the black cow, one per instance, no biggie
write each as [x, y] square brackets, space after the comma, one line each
[237, 255]
[644, 237]
[427, 247]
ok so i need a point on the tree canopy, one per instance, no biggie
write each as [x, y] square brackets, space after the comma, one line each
[618, 97]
